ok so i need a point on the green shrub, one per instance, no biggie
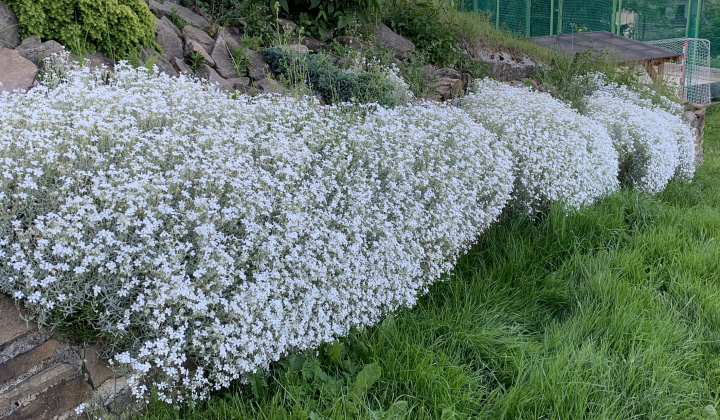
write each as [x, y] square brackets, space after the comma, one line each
[253, 18]
[113, 27]
[323, 16]
[426, 24]
[421, 22]
[333, 84]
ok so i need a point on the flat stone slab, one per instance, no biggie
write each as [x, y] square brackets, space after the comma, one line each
[95, 366]
[223, 60]
[9, 28]
[13, 327]
[16, 73]
[166, 9]
[26, 361]
[36, 384]
[401, 45]
[191, 32]
[55, 401]
[35, 50]
[168, 39]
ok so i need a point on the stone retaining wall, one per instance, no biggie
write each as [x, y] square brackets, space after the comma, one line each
[43, 377]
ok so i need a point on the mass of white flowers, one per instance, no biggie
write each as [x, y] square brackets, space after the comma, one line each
[559, 155]
[212, 236]
[653, 141]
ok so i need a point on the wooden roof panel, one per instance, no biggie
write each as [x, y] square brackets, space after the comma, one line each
[626, 49]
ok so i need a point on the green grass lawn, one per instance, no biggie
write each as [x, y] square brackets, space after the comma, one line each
[609, 313]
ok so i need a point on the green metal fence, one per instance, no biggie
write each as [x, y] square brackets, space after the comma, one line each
[639, 19]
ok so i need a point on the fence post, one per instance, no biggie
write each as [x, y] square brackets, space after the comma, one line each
[613, 16]
[497, 14]
[619, 18]
[561, 6]
[552, 15]
[528, 9]
[687, 25]
[697, 18]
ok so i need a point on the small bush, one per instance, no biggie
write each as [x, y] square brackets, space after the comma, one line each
[333, 84]
[426, 24]
[253, 18]
[654, 143]
[559, 155]
[114, 27]
[331, 16]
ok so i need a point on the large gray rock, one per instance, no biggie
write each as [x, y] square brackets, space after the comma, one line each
[195, 34]
[209, 74]
[223, 60]
[9, 29]
[99, 61]
[447, 72]
[181, 66]
[16, 71]
[167, 38]
[162, 64]
[193, 47]
[268, 85]
[171, 25]
[385, 36]
[315, 45]
[239, 82]
[35, 50]
[233, 42]
[166, 9]
[448, 88]
[257, 66]
[503, 65]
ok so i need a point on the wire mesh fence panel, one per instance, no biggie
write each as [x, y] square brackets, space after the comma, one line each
[692, 74]
[638, 19]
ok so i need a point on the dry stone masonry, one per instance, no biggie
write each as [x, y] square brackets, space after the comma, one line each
[42, 377]
[182, 46]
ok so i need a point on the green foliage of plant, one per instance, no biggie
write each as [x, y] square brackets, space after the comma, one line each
[114, 27]
[715, 62]
[427, 25]
[710, 28]
[332, 83]
[420, 21]
[252, 18]
[324, 16]
[176, 19]
[196, 61]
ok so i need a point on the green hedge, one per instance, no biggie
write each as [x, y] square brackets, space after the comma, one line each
[114, 27]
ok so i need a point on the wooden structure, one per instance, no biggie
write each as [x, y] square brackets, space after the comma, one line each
[625, 50]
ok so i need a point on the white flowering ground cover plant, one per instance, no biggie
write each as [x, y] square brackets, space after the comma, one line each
[211, 236]
[559, 155]
[653, 141]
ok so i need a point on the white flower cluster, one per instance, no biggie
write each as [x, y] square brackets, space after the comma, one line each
[559, 155]
[653, 141]
[212, 236]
